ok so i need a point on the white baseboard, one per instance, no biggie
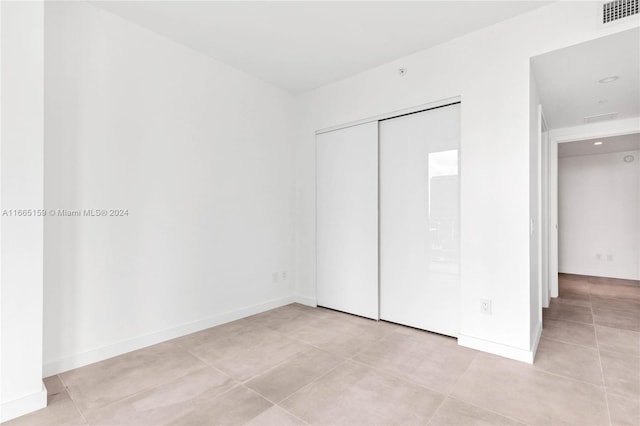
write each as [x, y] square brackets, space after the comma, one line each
[536, 342]
[19, 407]
[597, 273]
[497, 348]
[78, 360]
[303, 300]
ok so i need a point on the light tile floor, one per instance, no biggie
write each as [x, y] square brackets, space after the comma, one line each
[299, 365]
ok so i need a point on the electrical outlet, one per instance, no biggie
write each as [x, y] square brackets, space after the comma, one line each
[485, 306]
[284, 275]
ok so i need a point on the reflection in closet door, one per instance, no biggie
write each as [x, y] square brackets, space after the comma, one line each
[419, 219]
[347, 219]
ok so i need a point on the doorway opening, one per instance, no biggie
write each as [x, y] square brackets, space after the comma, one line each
[587, 182]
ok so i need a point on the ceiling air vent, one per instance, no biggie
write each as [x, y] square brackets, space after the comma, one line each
[600, 117]
[618, 9]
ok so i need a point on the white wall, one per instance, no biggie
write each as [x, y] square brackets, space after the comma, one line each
[201, 156]
[489, 69]
[599, 213]
[21, 154]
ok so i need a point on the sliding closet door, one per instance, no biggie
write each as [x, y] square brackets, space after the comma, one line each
[347, 219]
[419, 220]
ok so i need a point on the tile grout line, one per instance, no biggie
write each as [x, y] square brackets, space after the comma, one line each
[72, 400]
[352, 359]
[274, 404]
[235, 384]
[570, 343]
[291, 414]
[490, 411]
[448, 394]
[294, 339]
[374, 342]
[314, 381]
[349, 359]
[604, 383]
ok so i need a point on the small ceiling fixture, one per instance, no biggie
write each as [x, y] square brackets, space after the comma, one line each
[628, 159]
[608, 79]
[598, 143]
[402, 71]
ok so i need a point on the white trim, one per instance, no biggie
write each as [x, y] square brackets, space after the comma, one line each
[596, 130]
[539, 209]
[410, 110]
[581, 270]
[536, 342]
[495, 348]
[308, 301]
[545, 215]
[24, 405]
[557, 136]
[78, 360]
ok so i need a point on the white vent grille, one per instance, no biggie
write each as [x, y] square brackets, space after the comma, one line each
[618, 9]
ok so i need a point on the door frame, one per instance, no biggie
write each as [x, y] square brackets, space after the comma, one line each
[544, 230]
[574, 134]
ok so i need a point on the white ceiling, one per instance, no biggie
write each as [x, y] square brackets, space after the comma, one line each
[568, 85]
[609, 144]
[305, 44]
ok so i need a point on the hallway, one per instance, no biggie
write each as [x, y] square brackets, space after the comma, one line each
[591, 332]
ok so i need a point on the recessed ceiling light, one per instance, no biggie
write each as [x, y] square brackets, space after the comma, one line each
[608, 79]
[597, 143]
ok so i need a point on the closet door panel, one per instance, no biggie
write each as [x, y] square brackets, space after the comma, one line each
[347, 219]
[419, 220]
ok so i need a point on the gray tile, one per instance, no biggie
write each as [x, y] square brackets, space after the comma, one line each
[576, 284]
[574, 291]
[284, 319]
[570, 332]
[166, 403]
[99, 384]
[618, 319]
[167, 384]
[616, 289]
[428, 359]
[455, 413]
[247, 363]
[566, 359]
[294, 373]
[228, 340]
[600, 304]
[342, 337]
[353, 394]
[621, 372]
[524, 393]
[618, 340]
[567, 312]
[275, 416]
[238, 406]
[577, 299]
[616, 282]
[624, 409]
